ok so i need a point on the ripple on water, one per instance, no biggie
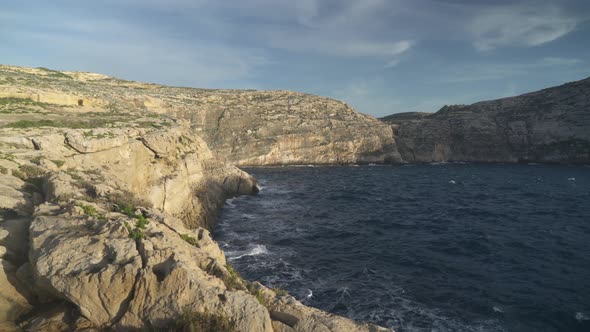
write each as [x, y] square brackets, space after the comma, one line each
[503, 248]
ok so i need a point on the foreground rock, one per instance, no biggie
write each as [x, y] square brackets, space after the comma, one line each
[548, 126]
[107, 230]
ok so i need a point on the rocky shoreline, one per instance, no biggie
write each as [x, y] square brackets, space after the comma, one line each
[108, 189]
[110, 232]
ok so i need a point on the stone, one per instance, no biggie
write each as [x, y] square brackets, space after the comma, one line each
[547, 126]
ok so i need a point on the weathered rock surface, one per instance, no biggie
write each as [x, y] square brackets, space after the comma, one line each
[106, 228]
[246, 127]
[551, 125]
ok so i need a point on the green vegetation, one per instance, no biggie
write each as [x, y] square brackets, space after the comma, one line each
[134, 233]
[235, 280]
[55, 73]
[29, 171]
[21, 101]
[58, 163]
[92, 123]
[280, 291]
[189, 239]
[91, 211]
[36, 160]
[141, 222]
[260, 297]
[7, 156]
[203, 322]
[91, 134]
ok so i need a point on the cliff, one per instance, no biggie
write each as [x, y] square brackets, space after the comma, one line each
[246, 127]
[547, 126]
[104, 215]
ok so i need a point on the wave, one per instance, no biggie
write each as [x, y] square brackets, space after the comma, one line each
[259, 249]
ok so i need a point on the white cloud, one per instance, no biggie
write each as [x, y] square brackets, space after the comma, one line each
[520, 25]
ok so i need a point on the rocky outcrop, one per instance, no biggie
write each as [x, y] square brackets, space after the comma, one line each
[107, 229]
[245, 127]
[547, 126]
[281, 127]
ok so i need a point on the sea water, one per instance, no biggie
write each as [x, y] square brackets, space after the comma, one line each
[446, 247]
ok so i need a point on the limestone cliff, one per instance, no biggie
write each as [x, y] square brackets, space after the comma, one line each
[551, 125]
[104, 218]
[246, 127]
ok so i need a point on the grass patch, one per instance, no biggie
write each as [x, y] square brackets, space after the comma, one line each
[21, 101]
[36, 160]
[235, 280]
[280, 291]
[189, 239]
[191, 321]
[58, 163]
[25, 124]
[7, 156]
[91, 134]
[141, 221]
[55, 73]
[134, 233]
[260, 298]
[91, 211]
[31, 171]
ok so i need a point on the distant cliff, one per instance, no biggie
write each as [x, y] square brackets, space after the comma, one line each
[548, 126]
[246, 127]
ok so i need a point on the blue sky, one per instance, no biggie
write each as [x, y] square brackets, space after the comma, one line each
[381, 56]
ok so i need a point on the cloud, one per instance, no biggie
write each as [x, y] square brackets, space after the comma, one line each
[130, 50]
[520, 25]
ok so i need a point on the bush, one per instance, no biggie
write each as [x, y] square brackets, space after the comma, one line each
[189, 239]
[203, 322]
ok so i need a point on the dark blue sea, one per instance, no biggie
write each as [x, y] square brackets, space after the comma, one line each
[451, 247]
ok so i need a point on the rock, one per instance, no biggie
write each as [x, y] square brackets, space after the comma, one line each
[77, 141]
[174, 281]
[292, 313]
[57, 318]
[93, 265]
[118, 238]
[548, 126]
[14, 196]
[12, 303]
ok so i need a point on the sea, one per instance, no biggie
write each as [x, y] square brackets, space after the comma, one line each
[439, 247]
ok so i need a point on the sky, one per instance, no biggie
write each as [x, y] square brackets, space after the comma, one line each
[380, 56]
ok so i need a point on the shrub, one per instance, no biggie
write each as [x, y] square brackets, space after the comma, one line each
[235, 280]
[203, 322]
[58, 163]
[189, 239]
[280, 291]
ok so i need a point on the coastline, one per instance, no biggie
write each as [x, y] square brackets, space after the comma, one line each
[112, 232]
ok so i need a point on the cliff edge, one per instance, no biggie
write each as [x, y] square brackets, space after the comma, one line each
[547, 126]
[104, 218]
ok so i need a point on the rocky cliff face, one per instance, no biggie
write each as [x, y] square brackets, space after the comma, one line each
[551, 125]
[246, 127]
[104, 217]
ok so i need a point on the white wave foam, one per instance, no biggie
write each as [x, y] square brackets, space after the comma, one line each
[452, 182]
[229, 203]
[571, 179]
[259, 249]
[580, 317]
[308, 296]
[498, 309]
